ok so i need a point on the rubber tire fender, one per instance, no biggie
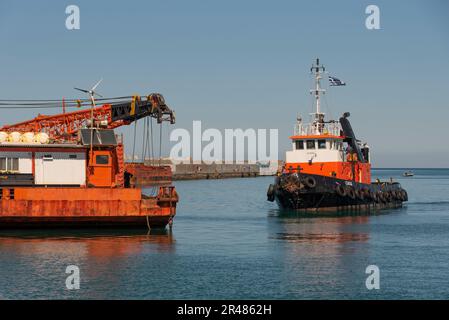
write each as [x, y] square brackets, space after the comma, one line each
[373, 195]
[340, 190]
[380, 196]
[397, 194]
[366, 192]
[401, 194]
[405, 194]
[351, 193]
[359, 194]
[309, 182]
[384, 197]
[270, 193]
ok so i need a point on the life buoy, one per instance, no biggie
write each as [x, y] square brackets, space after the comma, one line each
[309, 182]
[341, 191]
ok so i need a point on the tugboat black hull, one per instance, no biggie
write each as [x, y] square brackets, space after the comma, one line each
[310, 192]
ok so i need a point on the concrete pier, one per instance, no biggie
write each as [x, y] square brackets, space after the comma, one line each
[191, 171]
[158, 171]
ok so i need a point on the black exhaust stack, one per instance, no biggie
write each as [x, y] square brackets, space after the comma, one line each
[350, 136]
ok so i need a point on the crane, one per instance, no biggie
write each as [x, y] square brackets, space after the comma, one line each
[64, 127]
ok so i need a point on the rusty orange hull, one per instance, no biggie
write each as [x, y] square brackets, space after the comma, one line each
[147, 175]
[85, 207]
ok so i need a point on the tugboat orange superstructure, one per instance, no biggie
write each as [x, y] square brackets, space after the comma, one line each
[328, 168]
[68, 170]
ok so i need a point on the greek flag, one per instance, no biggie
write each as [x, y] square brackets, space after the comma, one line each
[336, 82]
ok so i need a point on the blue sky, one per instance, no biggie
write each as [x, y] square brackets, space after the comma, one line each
[245, 64]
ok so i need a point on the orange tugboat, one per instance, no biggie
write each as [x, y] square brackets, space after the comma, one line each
[67, 170]
[329, 168]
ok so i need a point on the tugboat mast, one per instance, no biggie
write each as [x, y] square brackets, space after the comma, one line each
[318, 116]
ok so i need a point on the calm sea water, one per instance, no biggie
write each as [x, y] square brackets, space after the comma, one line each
[229, 242]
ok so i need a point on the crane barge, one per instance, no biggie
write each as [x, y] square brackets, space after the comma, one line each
[68, 170]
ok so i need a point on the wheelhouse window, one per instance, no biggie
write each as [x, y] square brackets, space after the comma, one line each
[2, 164]
[102, 159]
[321, 144]
[9, 164]
[339, 145]
[310, 144]
[299, 144]
[47, 157]
[13, 164]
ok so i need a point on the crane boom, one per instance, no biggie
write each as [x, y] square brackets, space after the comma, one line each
[65, 126]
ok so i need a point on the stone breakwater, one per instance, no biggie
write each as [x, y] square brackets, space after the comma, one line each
[193, 171]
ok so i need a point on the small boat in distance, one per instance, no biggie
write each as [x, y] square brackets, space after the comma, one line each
[408, 174]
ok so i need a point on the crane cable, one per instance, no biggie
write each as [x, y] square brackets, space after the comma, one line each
[53, 105]
[148, 135]
[144, 141]
[70, 103]
[160, 144]
[152, 142]
[154, 189]
[134, 142]
[18, 101]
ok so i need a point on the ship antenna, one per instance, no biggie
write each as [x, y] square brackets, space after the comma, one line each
[318, 116]
[92, 93]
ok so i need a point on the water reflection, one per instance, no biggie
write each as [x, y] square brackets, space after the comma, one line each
[105, 259]
[340, 237]
[332, 251]
[338, 227]
[283, 213]
[86, 243]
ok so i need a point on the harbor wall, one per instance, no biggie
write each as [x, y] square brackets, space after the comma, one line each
[159, 171]
[191, 171]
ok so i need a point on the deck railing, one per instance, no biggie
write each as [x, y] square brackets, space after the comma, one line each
[332, 128]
